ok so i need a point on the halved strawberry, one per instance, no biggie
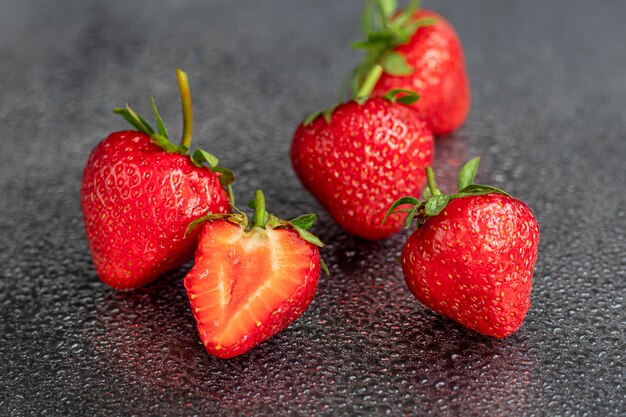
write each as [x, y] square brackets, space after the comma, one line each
[249, 282]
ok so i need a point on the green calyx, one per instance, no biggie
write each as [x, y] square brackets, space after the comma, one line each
[160, 136]
[401, 96]
[434, 201]
[326, 113]
[397, 95]
[361, 97]
[263, 220]
[384, 30]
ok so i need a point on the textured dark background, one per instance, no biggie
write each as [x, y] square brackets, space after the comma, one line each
[548, 119]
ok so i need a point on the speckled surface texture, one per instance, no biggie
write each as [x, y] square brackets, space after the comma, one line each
[548, 119]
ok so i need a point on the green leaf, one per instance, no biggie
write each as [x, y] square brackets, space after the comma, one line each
[308, 236]
[201, 156]
[409, 99]
[160, 125]
[411, 27]
[435, 204]
[361, 45]
[404, 200]
[478, 189]
[367, 16]
[146, 125]
[424, 21]
[226, 175]
[324, 267]
[409, 217]
[305, 221]
[328, 113]
[231, 197]
[273, 221]
[372, 42]
[134, 119]
[164, 144]
[124, 113]
[468, 173]
[407, 96]
[399, 35]
[210, 217]
[407, 13]
[311, 117]
[395, 64]
[387, 7]
[376, 38]
[195, 224]
[426, 194]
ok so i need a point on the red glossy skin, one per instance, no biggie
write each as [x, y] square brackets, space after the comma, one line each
[248, 286]
[439, 76]
[366, 158]
[474, 262]
[137, 202]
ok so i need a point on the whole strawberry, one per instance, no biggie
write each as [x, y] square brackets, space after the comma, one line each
[251, 280]
[472, 256]
[140, 192]
[361, 156]
[419, 51]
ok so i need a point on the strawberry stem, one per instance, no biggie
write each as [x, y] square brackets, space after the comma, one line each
[185, 98]
[259, 209]
[370, 81]
[432, 184]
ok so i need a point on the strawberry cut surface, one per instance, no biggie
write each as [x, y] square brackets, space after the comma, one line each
[137, 202]
[246, 286]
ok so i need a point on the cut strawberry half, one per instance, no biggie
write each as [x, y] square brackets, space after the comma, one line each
[249, 283]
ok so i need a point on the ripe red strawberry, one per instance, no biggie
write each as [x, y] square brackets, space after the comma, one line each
[472, 256]
[251, 281]
[140, 192]
[420, 51]
[362, 157]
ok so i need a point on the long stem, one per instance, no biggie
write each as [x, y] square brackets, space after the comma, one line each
[432, 184]
[185, 99]
[370, 81]
[259, 209]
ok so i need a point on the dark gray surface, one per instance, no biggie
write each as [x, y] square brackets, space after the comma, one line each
[548, 119]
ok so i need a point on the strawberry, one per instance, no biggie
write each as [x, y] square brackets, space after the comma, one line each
[140, 192]
[472, 256]
[251, 280]
[363, 155]
[419, 51]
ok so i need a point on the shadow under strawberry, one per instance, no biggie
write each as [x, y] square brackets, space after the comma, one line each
[148, 338]
[445, 361]
[137, 334]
